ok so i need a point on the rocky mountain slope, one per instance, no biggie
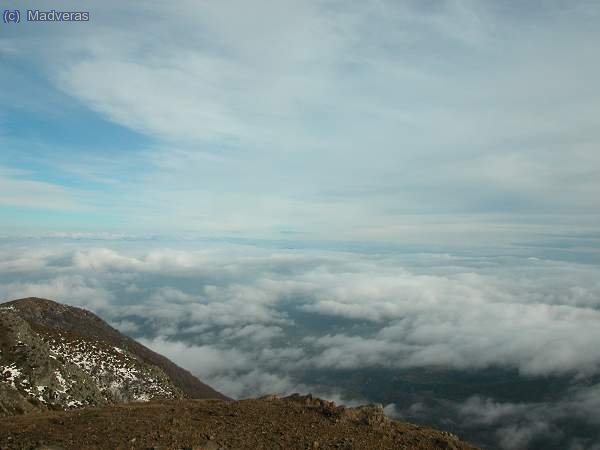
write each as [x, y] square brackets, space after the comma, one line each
[295, 422]
[54, 356]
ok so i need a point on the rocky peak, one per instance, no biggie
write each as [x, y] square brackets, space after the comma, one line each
[54, 356]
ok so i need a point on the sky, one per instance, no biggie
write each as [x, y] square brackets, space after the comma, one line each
[369, 121]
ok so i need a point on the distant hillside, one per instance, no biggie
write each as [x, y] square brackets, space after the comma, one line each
[54, 356]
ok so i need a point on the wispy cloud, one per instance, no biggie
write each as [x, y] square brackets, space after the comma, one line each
[315, 115]
[18, 190]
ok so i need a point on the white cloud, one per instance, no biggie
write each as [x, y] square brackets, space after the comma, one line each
[17, 190]
[71, 289]
[251, 372]
[517, 424]
[30, 260]
[256, 334]
[126, 326]
[462, 322]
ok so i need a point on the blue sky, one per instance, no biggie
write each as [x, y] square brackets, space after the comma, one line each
[374, 120]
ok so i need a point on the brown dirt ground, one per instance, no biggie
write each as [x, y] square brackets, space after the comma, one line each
[270, 423]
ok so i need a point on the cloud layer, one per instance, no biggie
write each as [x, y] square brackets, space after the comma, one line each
[255, 320]
[536, 316]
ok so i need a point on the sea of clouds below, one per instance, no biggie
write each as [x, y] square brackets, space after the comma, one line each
[233, 314]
